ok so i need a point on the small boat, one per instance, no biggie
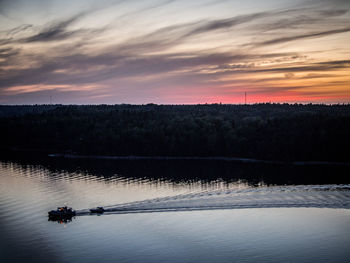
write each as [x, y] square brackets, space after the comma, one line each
[98, 210]
[62, 212]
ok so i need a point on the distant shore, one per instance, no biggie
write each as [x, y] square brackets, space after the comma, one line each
[263, 133]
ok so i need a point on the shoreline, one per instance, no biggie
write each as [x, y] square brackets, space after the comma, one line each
[194, 158]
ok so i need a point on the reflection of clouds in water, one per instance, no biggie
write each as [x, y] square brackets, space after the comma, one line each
[84, 189]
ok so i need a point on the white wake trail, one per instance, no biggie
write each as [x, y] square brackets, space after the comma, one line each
[321, 196]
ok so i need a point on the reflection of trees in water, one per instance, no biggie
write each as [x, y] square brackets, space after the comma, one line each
[194, 171]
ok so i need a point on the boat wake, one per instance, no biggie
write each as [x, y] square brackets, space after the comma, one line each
[320, 196]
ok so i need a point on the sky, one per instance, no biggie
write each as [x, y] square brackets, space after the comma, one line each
[174, 51]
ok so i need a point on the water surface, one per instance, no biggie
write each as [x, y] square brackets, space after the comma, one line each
[196, 214]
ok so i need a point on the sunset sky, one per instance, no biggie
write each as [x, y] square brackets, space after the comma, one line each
[174, 51]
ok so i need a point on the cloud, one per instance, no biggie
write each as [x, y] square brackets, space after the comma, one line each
[81, 69]
[7, 52]
[282, 40]
[316, 76]
[289, 75]
[334, 12]
[220, 24]
[320, 66]
[302, 19]
[56, 31]
[18, 29]
[171, 36]
[280, 20]
[157, 59]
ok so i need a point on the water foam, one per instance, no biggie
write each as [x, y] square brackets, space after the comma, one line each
[320, 196]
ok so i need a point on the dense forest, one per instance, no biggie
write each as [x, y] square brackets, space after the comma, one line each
[289, 132]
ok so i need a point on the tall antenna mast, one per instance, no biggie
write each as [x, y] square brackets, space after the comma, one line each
[245, 97]
[50, 99]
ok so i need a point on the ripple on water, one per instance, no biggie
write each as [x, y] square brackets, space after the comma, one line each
[29, 191]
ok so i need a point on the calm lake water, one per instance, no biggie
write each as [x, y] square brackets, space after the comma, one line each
[174, 211]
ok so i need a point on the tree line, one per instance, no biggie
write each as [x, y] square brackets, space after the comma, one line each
[262, 131]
